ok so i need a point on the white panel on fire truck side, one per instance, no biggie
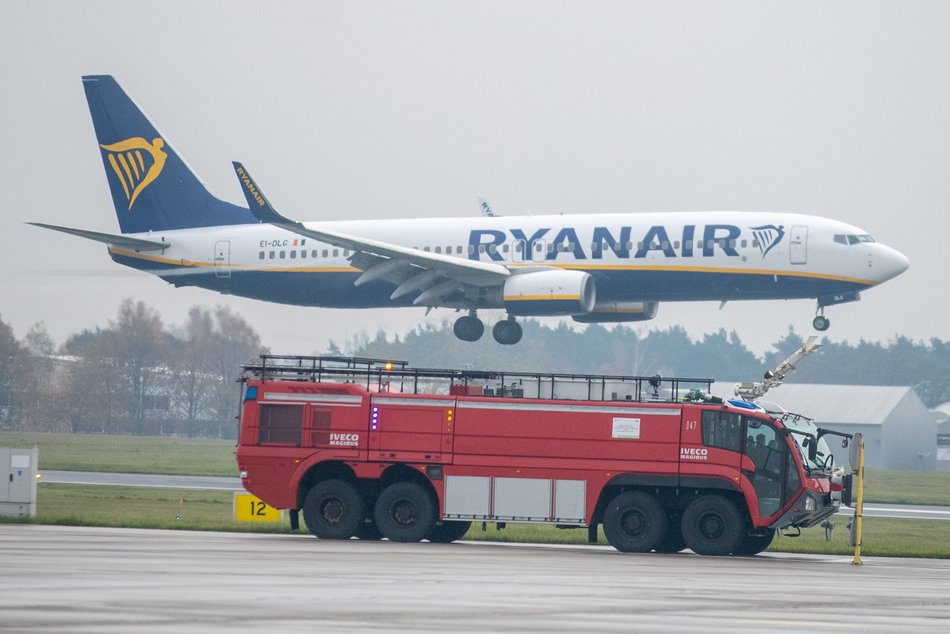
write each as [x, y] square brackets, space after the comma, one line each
[468, 497]
[570, 501]
[522, 499]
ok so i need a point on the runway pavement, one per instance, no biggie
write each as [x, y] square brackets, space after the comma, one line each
[73, 579]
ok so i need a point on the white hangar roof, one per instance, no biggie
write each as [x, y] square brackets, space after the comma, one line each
[844, 404]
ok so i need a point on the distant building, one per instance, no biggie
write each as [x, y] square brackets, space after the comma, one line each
[899, 431]
[942, 416]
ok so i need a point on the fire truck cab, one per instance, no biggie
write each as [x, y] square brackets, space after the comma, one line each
[369, 448]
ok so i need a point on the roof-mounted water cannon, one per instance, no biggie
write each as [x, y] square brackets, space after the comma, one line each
[773, 378]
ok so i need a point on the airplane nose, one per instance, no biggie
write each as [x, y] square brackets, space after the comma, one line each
[891, 263]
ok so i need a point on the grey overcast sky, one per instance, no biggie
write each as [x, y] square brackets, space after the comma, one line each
[412, 109]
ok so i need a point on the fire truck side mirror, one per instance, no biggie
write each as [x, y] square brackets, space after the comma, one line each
[812, 449]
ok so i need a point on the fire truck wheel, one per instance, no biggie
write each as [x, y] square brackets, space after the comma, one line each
[754, 544]
[712, 525]
[673, 541]
[368, 531]
[634, 522]
[404, 512]
[448, 532]
[333, 509]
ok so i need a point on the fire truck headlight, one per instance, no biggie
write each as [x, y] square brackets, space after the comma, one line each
[244, 475]
[810, 504]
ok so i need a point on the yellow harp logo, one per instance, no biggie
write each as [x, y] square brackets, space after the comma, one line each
[136, 163]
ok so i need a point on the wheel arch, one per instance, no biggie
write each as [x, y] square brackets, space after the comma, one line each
[320, 472]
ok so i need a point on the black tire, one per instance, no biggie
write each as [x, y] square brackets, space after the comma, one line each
[634, 522]
[673, 541]
[507, 332]
[754, 544]
[333, 509]
[713, 525]
[404, 512]
[367, 531]
[468, 328]
[821, 323]
[447, 532]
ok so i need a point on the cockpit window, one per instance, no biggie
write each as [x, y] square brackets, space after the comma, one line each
[842, 238]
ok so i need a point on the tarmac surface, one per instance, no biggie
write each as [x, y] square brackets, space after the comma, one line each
[71, 579]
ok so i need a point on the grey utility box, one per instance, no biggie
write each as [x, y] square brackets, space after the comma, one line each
[18, 482]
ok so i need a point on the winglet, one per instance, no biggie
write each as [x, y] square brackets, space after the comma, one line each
[259, 205]
[486, 207]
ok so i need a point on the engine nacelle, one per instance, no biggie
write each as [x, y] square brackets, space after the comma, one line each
[604, 312]
[548, 293]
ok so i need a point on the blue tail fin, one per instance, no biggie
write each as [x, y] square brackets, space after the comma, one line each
[152, 188]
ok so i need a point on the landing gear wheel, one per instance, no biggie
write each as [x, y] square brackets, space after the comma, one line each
[448, 532]
[754, 544]
[713, 525]
[507, 332]
[468, 328]
[821, 323]
[404, 512]
[634, 522]
[333, 509]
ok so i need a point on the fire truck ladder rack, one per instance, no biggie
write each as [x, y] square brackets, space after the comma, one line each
[381, 375]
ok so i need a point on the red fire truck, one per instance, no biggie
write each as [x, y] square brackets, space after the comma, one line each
[372, 449]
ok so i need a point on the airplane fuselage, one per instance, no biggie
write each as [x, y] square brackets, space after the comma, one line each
[654, 257]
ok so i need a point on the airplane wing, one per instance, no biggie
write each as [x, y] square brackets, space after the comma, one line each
[443, 280]
[126, 242]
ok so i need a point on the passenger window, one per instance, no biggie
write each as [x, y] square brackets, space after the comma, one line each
[261, 255]
[272, 255]
[325, 252]
[283, 254]
[313, 253]
[722, 429]
[336, 252]
[293, 255]
[303, 253]
[438, 249]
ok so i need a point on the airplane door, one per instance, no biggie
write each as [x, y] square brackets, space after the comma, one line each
[798, 245]
[540, 251]
[222, 258]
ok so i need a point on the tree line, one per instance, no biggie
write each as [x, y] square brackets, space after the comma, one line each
[670, 352]
[135, 376]
[139, 375]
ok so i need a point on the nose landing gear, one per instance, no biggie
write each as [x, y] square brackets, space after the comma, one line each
[820, 322]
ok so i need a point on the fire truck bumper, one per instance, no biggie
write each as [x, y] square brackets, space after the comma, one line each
[810, 509]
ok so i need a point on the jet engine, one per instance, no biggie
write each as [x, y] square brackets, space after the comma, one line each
[604, 312]
[548, 293]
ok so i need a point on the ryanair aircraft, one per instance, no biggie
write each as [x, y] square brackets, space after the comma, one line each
[592, 267]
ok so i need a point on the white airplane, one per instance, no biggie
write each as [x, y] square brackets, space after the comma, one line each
[591, 267]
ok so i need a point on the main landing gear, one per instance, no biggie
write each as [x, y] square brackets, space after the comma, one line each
[470, 328]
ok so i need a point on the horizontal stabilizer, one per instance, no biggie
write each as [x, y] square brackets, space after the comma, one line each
[136, 244]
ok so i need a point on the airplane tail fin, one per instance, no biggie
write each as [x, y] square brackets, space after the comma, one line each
[152, 187]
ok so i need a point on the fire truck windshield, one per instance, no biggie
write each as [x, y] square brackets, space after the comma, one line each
[804, 431]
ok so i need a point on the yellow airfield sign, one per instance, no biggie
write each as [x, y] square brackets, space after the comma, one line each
[249, 508]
